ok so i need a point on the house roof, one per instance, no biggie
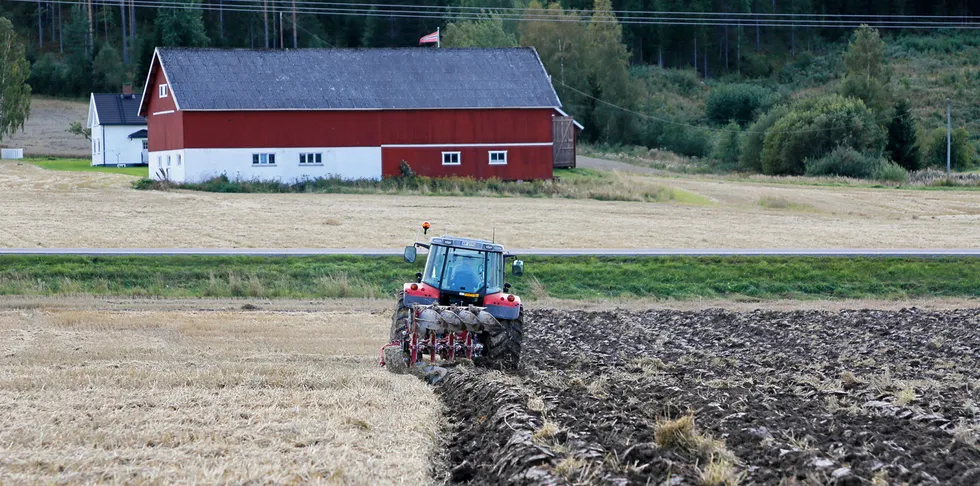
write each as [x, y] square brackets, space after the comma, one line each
[138, 134]
[118, 109]
[338, 79]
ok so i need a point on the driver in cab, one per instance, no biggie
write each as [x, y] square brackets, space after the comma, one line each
[467, 275]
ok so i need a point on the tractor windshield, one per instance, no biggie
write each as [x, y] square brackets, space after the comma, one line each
[464, 270]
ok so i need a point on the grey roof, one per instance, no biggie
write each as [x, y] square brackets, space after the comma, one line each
[320, 79]
[139, 134]
[118, 109]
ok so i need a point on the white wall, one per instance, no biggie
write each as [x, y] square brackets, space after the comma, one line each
[199, 165]
[116, 146]
[168, 164]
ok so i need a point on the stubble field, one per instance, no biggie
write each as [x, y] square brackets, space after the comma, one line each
[65, 209]
[173, 393]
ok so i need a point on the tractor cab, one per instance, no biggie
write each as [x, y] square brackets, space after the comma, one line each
[462, 271]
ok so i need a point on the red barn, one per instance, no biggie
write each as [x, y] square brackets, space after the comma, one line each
[350, 113]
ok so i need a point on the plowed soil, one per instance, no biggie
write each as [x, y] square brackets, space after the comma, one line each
[805, 397]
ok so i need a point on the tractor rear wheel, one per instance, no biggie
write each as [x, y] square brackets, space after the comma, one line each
[399, 320]
[503, 347]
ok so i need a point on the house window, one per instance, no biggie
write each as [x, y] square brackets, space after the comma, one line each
[450, 158]
[159, 161]
[146, 145]
[263, 159]
[311, 158]
[498, 157]
[164, 91]
[178, 159]
[168, 161]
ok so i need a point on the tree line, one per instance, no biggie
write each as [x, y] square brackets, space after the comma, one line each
[628, 83]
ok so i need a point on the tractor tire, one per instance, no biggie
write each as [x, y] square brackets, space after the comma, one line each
[503, 347]
[399, 320]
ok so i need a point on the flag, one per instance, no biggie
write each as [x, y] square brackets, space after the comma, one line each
[432, 38]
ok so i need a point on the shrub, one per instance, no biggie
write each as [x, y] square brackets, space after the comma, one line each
[891, 172]
[49, 76]
[728, 148]
[690, 141]
[738, 102]
[813, 128]
[751, 157]
[843, 162]
[962, 154]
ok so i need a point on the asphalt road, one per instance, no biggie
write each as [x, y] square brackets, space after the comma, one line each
[564, 252]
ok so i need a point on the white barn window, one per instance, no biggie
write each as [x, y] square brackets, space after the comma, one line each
[168, 161]
[178, 159]
[263, 159]
[450, 158]
[164, 92]
[311, 158]
[498, 157]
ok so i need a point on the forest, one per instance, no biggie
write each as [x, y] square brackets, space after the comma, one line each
[770, 86]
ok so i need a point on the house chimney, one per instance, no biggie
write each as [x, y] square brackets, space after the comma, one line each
[127, 89]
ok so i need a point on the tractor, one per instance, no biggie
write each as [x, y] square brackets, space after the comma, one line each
[458, 307]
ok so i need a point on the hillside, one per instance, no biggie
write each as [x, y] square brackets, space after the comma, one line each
[46, 131]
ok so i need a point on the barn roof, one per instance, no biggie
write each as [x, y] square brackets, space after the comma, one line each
[337, 79]
[117, 109]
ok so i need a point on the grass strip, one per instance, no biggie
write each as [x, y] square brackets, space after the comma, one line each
[568, 184]
[85, 165]
[568, 278]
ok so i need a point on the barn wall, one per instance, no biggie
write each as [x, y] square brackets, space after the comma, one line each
[164, 122]
[416, 136]
[523, 162]
[200, 165]
[236, 129]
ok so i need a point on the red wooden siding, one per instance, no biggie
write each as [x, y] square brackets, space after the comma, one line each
[523, 163]
[256, 129]
[466, 126]
[166, 131]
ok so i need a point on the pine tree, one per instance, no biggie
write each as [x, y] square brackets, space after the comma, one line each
[79, 57]
[108, 71]
[181, 26]
[902, 141]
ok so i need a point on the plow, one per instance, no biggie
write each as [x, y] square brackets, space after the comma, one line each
[459, 307]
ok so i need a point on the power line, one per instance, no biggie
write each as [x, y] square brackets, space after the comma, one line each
[450, 13]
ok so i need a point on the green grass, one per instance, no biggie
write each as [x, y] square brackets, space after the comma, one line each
[682, 278]
[84, 165]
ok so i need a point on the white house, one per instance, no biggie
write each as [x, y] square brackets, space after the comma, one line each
[118, 132]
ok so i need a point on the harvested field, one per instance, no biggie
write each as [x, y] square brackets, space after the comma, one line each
[46, 131]
[717, 397]
[192, 396]
[106, 212]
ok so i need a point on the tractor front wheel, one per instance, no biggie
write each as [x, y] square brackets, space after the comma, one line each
[503, 347]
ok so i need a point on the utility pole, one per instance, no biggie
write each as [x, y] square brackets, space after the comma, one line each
[125, 37]
[949, 126]
[281, 45]
[295, 36]
[265, 20]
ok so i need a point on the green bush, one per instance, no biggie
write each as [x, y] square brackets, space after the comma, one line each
[844, 162]
[738, 102]
[49, 76]
[750, 159]
[729, 147]
[962, 154]
[684, 140]
[813, 128]
[891, 172]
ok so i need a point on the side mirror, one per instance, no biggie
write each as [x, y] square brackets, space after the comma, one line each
[518, 268]
[410, 254]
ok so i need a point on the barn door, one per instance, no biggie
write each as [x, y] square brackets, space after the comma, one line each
[564, 142]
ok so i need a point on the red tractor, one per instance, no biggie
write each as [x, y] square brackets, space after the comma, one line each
[458, 307]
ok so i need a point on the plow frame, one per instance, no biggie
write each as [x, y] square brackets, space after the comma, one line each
[417, 343]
